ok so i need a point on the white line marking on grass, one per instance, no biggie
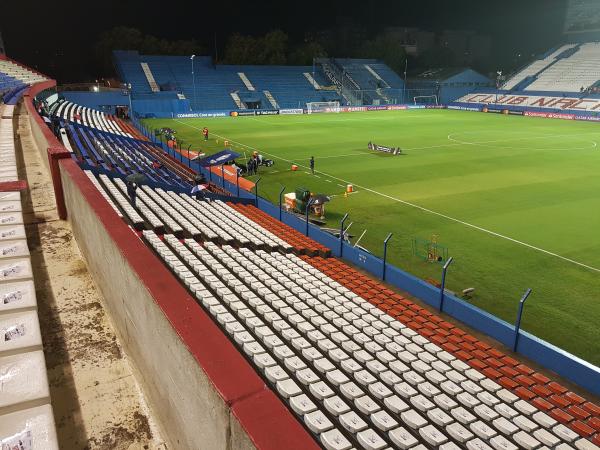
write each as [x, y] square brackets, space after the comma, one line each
[413, 205]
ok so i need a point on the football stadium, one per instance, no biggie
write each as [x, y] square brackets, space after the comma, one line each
[334, 234]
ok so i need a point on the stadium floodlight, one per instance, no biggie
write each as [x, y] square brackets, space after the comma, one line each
[322, 107]
[193, 83]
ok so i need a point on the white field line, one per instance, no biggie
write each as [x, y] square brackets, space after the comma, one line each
[413, 205]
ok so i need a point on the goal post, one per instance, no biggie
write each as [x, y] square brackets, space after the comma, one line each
[322, 107]
[426, 99]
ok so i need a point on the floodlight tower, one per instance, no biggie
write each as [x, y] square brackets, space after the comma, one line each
[193, 82]
[498, 81]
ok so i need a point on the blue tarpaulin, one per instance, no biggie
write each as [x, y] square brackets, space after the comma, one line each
[219, 158]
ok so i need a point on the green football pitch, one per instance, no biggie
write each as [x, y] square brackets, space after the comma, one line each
[515, 200]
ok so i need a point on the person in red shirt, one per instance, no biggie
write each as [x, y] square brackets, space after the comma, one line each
[205, 133]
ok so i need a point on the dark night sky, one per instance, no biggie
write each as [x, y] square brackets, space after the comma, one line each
[58, 37]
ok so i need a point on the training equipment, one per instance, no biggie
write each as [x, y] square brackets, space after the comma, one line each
[382, 148]
[429, 250]
[322, 107]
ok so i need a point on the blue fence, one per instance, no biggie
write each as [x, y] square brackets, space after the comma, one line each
[547, 355]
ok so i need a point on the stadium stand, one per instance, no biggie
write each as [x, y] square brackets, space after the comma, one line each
[527, 74]
[14, 80]
[26, 418]
[369, 80]
[211, 87]
[575, 69]
[359, 364]
[564, 80]
[88, 117]
[102, 140]
[567, 69]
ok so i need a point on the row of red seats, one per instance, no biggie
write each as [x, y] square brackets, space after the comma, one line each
[302, 244]
[568, 408]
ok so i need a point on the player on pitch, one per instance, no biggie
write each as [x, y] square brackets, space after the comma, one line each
[205, 133]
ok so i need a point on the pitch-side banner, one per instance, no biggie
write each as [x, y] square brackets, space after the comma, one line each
[291, 111]
[534, 101]
[202, 114]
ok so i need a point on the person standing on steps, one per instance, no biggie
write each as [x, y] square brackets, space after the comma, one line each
[312, 165]
[131, 188]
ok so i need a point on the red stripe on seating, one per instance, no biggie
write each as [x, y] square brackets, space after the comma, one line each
[510, 373]
[231, 375]
[13, 186]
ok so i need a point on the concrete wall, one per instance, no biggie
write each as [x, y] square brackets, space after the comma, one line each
[203, 391]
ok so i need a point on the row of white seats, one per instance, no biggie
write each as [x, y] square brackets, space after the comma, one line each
[20, 73]
[122, 201]
[167, 211]
[354, 375]
[102, 191]
[582, 69]
[88, 117]
[26, 418]
[534, 67]
[116, 152]
[8, 162]
[225, 221]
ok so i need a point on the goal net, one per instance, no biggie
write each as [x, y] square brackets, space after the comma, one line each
[426, 99]
[322, 107]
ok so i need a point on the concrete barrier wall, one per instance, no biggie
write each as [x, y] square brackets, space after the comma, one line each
[202, 390]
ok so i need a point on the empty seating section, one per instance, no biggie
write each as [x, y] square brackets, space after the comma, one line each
[14, 80]
[571, 73]
[566, 69]
[71, 112]
[372, 75]
[535, 67]
[355, 376]
[300, 243]
[287, 84]
[221, 86]
[358, 364]
[121, 155]
[184, 216]
[26, 418]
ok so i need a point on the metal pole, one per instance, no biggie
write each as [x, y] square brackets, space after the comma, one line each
[237, 182]
[223, 175]
[443, 286]
[193, 83]
[404, 87]
[385, 243]
[308, 205]
[280, 194]
[342, 233]
[519, 315]
[256, 192]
